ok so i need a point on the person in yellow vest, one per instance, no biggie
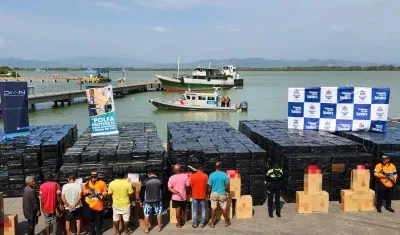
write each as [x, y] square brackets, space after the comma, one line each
[386, 174]
[94, 191]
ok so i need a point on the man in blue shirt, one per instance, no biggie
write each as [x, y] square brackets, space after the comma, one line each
[218, 187]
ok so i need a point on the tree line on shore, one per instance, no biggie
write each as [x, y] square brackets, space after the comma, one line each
[5, 69]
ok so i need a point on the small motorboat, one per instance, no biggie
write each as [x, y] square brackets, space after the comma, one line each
[194, 101]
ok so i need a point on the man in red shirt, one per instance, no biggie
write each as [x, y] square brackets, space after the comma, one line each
[199, 181]
[50, 197]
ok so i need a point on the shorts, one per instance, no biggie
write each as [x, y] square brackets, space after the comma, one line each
[148, 208]
[49, 219]
[216, 198]
[179, 204]
[124, 212]
[73, 215]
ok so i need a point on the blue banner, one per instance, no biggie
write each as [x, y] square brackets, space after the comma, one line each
[103, 120]
[14, 104]
[338, 108]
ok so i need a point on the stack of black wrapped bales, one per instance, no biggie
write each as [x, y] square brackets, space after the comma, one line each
[135, 149]
[294, 150]
[204, 143]
[379, 144]
[35, 155]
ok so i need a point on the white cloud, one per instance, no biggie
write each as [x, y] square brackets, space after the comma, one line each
[4, 43]
[338, 28]
[251, 46]
[160, 29]
[179, 4]
[234, 30]
[110, 5]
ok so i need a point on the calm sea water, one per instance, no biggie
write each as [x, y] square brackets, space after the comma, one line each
[265, 92]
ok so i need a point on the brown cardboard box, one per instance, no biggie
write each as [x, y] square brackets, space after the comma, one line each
[9, 225]
[348, 200]
[320, 202]
[218, 212]
[306, 203]
[172, 214]
[235, 187]
[208, 211]
[303, 202]
[1, 206]
[244, 207]
[357, 201]
[360, 180]
[313, 183]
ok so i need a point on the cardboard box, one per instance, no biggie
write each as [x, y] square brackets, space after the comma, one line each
[244, 207]
[208, 211]
[348, 200]
[9, 225]
[357, 201]
[306, 203]
[218, 212]
[313, 183]
[360, 180]
[172, 214]
[235, 187]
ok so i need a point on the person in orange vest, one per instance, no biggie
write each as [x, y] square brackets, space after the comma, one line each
[94, 191]
[223, 101]
[386, 174]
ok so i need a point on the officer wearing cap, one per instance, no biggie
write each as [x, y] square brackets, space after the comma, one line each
[94, 191]
[274, 179]
[386, 174]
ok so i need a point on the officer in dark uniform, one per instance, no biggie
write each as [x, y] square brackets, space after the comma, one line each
[274, 185]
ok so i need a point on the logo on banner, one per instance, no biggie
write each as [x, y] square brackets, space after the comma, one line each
[327, 125]
[296, 93]
[328, 94]
[362, 95]
[345, 110]
[361, 126]
[15, 93]
[312, 109]
[379, 111]
[296, 123]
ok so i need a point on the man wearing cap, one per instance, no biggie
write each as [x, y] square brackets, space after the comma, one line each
[386, 174]
[94, 191]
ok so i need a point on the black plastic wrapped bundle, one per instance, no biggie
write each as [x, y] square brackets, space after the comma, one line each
[136, 167]
[90, 156]
[4, 181]
[108, 154]
[65, 172]
[140, 154]
[123, 155]
[84, 171]
[30, 160]
[105, 173]
[72, 155]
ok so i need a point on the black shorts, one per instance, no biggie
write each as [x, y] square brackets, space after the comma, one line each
[180, 204]
[73, 215]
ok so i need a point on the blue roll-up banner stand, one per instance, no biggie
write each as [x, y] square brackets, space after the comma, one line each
[14, 104]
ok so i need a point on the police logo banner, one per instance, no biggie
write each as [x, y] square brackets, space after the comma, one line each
[338, 108]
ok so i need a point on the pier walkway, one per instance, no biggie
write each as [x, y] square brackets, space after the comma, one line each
[66, 93]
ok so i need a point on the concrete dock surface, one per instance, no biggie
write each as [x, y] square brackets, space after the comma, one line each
[335, 222]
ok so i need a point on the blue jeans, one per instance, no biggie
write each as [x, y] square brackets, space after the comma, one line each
[196, 203]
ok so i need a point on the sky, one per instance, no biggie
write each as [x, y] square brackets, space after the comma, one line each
[160, 30]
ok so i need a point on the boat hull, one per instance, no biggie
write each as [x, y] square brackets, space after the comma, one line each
[170, 106]
[170, 84]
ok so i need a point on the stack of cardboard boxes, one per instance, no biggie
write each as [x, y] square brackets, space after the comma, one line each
[312, 199]
[8, 223]
[359, 197]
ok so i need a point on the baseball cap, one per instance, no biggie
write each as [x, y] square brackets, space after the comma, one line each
[385, 158]
[94, 174]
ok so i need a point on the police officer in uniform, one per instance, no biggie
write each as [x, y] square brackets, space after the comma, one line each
[274, 184]
[386, 174]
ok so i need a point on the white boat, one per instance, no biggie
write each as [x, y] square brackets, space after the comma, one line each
[196, 101]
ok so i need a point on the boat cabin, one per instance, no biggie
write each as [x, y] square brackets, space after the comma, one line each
[201, 99]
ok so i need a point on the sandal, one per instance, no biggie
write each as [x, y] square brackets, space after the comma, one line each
[211, 225]
[178, 225]
[202, 225]
[159, 229]
[146, 232]
[194, 226]
[227, 224]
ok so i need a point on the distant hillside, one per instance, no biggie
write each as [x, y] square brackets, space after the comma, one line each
[79, 62]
